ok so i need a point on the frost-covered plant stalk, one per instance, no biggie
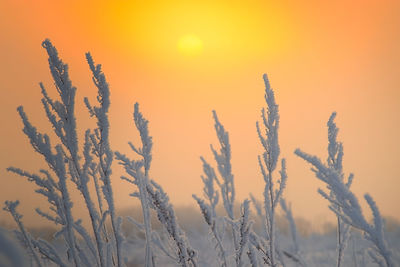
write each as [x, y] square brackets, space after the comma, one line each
[261, 246]
[223, 159]
[227, 186]
[345, 204]
[66, 163]
[152, 196]
[240, 227]
[209, 191]
[335, 161]
[61, 115]
[186, 255]
[141, 177]
[244, 231]
[103, 152]
[268, 162]
[252, 254]
[208, 209]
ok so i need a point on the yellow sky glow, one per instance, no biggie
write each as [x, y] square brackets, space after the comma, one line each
[190, 45]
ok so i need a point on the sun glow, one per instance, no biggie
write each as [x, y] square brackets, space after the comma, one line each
[190, 45]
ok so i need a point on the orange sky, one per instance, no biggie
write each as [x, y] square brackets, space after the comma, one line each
[320, 56]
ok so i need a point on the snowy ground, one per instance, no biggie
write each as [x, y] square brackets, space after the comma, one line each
[317, 250]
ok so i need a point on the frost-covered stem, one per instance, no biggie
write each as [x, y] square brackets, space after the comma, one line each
[108, 193]
[104, 152]
[166, 215]
[252, 256]
[134, 169]
[117, 235]
[61, 115]
[41, 144]
[141, 177]
[65, 125]
[67, 205]
[147, 220]
[260, 244]
[95, 226]
[210, 219]
[350, 210]
[269, 141]
[209, 191]
[82, 184]
[219, 244]
[271, 222]
[62, 203]
[244, 229]
[223, 159]
[92, 173]
[227, 186]
[11, 206]
[83, 187]
[98, 193]
[335, 161]
[235, 242]
[339, 241]
[142, 126]
[208, 210]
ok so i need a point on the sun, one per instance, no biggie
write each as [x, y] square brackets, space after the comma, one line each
[190, 45]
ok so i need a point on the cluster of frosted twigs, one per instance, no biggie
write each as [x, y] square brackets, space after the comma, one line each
[236, 241]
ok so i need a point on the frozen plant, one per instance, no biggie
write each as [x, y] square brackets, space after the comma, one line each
[344, 203]
[240, 227]
[268, 163]
[271, 195]
[252, 254]
[223, 159]
[208, 210]
[335, 161]
[255, 242]
[211, 221]
[67, 164]
[186, 255]
[88, 168]
[141, 177]
[227, 186]
[153, 196]
[244, 231]
[209, 191]
[102, 150]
